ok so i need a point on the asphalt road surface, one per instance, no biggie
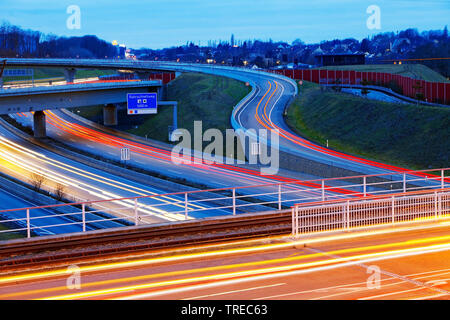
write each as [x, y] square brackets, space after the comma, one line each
[413, 264]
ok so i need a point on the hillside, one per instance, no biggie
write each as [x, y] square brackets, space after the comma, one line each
[400, 134]
[416, 71]
[200, 97]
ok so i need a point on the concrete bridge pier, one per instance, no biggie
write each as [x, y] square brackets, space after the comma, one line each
[110, 115]
[69, 74]
[39, 125]
[162, 93]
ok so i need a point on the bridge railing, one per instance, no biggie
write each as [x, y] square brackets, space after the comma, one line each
[97, 214]
[370, 212]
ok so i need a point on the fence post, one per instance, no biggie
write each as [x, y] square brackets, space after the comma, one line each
[404, 182]
[436, 204]
[323, 190]
[234, 201]
[393, 210]
[28, 224]
[347, 222]
[83, 216]
[365, 186]
[296, 222]
[293, 218]
[279, 197]
[185, 205]
[440, 205]
[136, 213]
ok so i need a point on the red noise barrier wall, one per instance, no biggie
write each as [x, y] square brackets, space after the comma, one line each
[165, 77]
[436, 92]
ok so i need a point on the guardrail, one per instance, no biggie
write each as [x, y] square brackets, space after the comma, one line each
[370, 212]
[223, 201]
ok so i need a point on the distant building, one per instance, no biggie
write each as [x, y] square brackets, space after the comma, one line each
[122, 50]
[340, 59]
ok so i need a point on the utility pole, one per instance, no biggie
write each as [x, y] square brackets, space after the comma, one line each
[1, 72]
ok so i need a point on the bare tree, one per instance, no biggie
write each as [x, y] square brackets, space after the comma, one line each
[37, 180]
[60, 191]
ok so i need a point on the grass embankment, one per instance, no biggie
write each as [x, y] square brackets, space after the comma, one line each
[416, 137]
[416, 71]
[200, 97]
[8, 235]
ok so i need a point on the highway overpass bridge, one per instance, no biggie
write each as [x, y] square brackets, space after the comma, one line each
[271, 91]
[38, 99]
[263, 108]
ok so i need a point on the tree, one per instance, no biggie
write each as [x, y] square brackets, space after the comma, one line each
[37, 181]
[364, 90]
[418, 90]
[298, 42]
[337, 87]
[60, 191]
[364, 45]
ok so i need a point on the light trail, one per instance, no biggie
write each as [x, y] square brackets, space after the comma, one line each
[164, 155]
[254, 274]
[245, 250]
[267, 123]
[19, 158]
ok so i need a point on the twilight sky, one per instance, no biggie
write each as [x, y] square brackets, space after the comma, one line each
[164, 23]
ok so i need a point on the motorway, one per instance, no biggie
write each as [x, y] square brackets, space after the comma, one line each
[410, 263]
[39, 226]
[265, 110]
[21, 159]
[80, 134]
[262, 110]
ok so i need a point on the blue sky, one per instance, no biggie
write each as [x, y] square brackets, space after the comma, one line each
[164, 23]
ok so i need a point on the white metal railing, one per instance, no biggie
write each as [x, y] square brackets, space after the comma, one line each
[88, 215]
[370, 211]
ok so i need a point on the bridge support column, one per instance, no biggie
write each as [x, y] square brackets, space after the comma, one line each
[69, 74]
[162, 93]
[110, 115]
[39, 124]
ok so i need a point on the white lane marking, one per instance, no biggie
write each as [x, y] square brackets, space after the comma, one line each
[392, 293]
[326, 289]
[377, 257]
[235, 291]
[423, 275]
[221, 184]
[241, 110]
[387, 273]
[430, 297]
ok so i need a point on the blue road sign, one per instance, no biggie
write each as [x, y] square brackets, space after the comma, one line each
[142, 103]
